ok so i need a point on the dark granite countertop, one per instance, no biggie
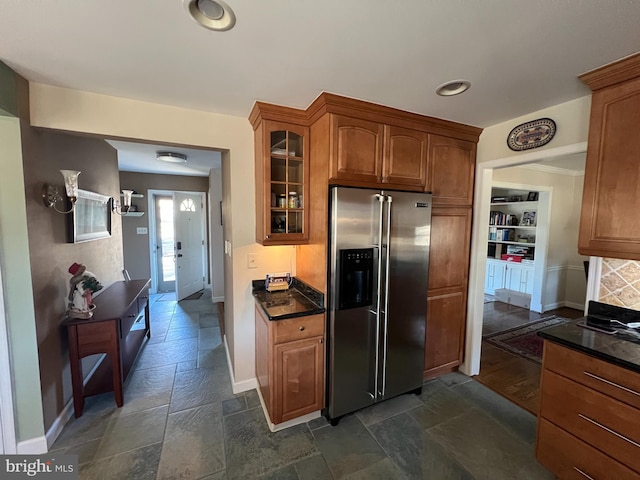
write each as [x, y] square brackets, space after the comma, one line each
[299, 301]
[621, 348]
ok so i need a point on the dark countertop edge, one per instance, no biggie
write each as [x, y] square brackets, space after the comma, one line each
[307, 291]
[591, 352]
[306, 313]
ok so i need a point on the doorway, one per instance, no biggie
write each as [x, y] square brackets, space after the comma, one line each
[178, 243]
[7, 425]
[165, 278]
[476, 306]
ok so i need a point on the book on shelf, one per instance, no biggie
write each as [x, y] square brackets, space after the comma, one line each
[504, 219]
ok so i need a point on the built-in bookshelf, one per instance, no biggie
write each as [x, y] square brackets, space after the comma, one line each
[512, 225]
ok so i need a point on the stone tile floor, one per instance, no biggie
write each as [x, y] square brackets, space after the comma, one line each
[181, 420]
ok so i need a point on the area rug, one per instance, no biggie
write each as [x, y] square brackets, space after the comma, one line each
[523, 340]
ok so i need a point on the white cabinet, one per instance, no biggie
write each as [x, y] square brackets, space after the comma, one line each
[495, 275]
[519, 278]
[512, 275]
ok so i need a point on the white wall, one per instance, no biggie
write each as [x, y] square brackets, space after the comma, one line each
[24, 374]
[216, 240]
[114, 117]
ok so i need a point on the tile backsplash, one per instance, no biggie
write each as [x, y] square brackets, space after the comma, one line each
[620, 283]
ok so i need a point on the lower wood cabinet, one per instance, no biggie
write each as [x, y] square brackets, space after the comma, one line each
[290, 365]
[447, 295]
[589, 417]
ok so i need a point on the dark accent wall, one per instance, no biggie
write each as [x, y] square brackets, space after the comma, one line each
[45, 152]
[136, 247]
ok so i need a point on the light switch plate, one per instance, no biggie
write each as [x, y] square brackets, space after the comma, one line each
[141, 230]
[252, 260]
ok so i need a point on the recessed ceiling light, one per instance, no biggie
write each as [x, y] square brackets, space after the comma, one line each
[454, 87]
[214, 15]
[171, 157]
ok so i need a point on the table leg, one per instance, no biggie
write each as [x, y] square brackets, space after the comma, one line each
[75, 363]
[116, 365]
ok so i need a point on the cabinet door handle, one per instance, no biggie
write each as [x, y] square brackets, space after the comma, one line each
[583, 474]
[322, 340]
[609, 382]
[302, 329]
[613, 432]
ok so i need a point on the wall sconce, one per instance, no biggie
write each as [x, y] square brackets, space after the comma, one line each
[126, 200]
[51, 195]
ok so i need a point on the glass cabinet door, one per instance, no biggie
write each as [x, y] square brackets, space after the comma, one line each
[286, 182]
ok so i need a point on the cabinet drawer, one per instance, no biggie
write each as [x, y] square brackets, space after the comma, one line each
[617, 382]
[127, 320]
[569, 458]
[298, 328]
[601, 421]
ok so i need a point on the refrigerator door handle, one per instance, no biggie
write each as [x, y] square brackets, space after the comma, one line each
[389, 199]
[381, 199]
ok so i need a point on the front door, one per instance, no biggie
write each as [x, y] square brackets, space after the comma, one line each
[164, 244]
[189, 242]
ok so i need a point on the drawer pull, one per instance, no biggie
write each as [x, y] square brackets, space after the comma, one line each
[302, 329]
[132, 315]
[583, 474]
[597, 424]
[609, 382]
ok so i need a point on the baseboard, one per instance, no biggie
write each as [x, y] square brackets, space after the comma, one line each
[58, 424]
[554, 306]
[238, 387]
[217, 299]
[577, 306]
[33, 446]
[61, 420]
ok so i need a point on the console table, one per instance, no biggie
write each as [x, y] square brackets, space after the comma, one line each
[109, 332]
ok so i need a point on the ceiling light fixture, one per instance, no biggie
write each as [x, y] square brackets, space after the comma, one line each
[455, 87]
[214, 15]
[171, 157]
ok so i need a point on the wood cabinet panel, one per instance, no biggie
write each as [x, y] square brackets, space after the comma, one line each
[617, 382]
[356, 149]
[264, 362]
[451, 169]
[611, 191]
[601, 421]
[405, 156]
[447, 294]
[611, 196]
[450, 247]
[300, 378]
[571, 459]
[298, 328]
[290, 365]
[446, 314]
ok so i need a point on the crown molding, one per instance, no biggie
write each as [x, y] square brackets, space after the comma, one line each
[619, 71]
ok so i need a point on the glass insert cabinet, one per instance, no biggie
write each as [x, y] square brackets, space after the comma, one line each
[285, 179]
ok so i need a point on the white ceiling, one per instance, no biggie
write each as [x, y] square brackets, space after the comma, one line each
[141, 157]
[520, 55]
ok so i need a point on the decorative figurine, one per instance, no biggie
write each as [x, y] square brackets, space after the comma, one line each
[82, 286]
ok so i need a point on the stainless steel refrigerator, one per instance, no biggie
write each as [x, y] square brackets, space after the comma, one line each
[378, 274]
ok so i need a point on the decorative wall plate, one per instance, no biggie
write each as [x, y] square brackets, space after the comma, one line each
[531, 134]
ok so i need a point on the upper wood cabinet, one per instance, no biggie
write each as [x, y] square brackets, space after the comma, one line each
[282, 180]
[451, 169]
[356, 149]
[611, 197]
[376, 154]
